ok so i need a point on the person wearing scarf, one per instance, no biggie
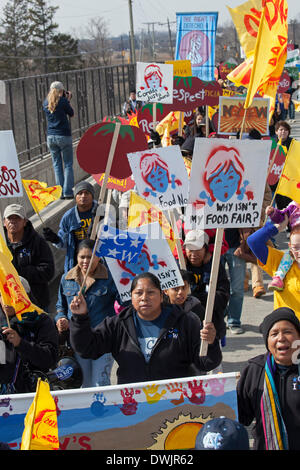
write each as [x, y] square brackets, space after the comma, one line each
[269, 387]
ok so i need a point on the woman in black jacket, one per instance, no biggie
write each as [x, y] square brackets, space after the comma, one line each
[149, 340]
[31, 349]
[269, 388]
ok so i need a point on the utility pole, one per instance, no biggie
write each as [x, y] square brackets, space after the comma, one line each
[170, 39]
[153, 39]
[132, 42]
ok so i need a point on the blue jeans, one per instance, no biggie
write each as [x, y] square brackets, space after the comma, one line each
[292, 110]
[61, 150]
[96, 373]
[237, 269]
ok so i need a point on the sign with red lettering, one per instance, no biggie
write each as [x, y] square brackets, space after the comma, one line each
[284, 83]
[277, 164]
[191, 92]
[10, 175]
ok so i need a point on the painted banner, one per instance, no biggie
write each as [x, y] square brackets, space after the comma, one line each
[195, 41]
[160, 176]
[154, 82]
[156, 257]
[119, 244]
[231, 114]
[225, 68]
[227, 183]
[10, 175]
[181, 68]
[159, 415]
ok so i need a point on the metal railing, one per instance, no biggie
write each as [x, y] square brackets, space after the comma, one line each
[96, 92]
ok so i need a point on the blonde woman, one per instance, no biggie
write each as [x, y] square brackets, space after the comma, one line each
[59, 139]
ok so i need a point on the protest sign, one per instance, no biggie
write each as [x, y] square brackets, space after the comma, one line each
[284, 82]
[119, 244]
[181, 68]
[225, 68]
[191, 92]
[231, 114]
[156, 257]
[160, 176]
[154, 82]
[95, 145]
[120, 184]
[276, 162]
[195, 41]
[146, 113]
[157, 415]
[10, 175]
[227, 183]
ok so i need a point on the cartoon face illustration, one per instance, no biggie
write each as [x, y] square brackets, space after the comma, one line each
[225, 184]
[143, 264]
[223, 176]
[158, 179]
[155, 173]
[153, 76]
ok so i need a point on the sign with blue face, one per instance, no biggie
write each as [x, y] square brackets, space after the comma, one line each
[119, 244]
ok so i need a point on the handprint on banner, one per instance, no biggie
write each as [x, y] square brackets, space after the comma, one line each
[152, 394]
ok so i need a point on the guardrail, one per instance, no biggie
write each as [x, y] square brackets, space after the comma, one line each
[96, 92]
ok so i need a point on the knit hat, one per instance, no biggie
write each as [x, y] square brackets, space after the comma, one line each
[196, 239]
[281, 313]
[222, 434]
[84, 186]
[57, 85]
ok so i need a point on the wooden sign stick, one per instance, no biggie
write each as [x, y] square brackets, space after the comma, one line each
[154, 116]
[107, 207]
[180, 124]
[105, 179]
[212, 285]
[177, 241]
[206, 122]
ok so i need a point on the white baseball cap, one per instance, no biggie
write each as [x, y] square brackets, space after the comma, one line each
[196, 239]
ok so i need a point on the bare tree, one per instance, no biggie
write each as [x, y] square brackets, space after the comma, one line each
[97, 43]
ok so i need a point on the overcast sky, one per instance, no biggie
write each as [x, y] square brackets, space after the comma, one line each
[73, 15]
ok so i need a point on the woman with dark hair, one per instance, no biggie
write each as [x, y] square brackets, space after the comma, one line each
[150, 340]
[269, 387]
[100, 294]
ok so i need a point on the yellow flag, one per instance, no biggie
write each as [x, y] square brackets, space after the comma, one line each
[41, 430]
[289, 182]
[4, 248]
[12, 290]
[39, 195]
[262, 69]
[169, 124]
[141, 212]
[246, 18]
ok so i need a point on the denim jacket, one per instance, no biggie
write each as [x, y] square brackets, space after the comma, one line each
[68, 224]
[100, 294]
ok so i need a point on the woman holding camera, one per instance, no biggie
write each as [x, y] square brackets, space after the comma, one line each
[59, 138]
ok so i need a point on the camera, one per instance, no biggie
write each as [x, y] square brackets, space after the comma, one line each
[67, 94]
